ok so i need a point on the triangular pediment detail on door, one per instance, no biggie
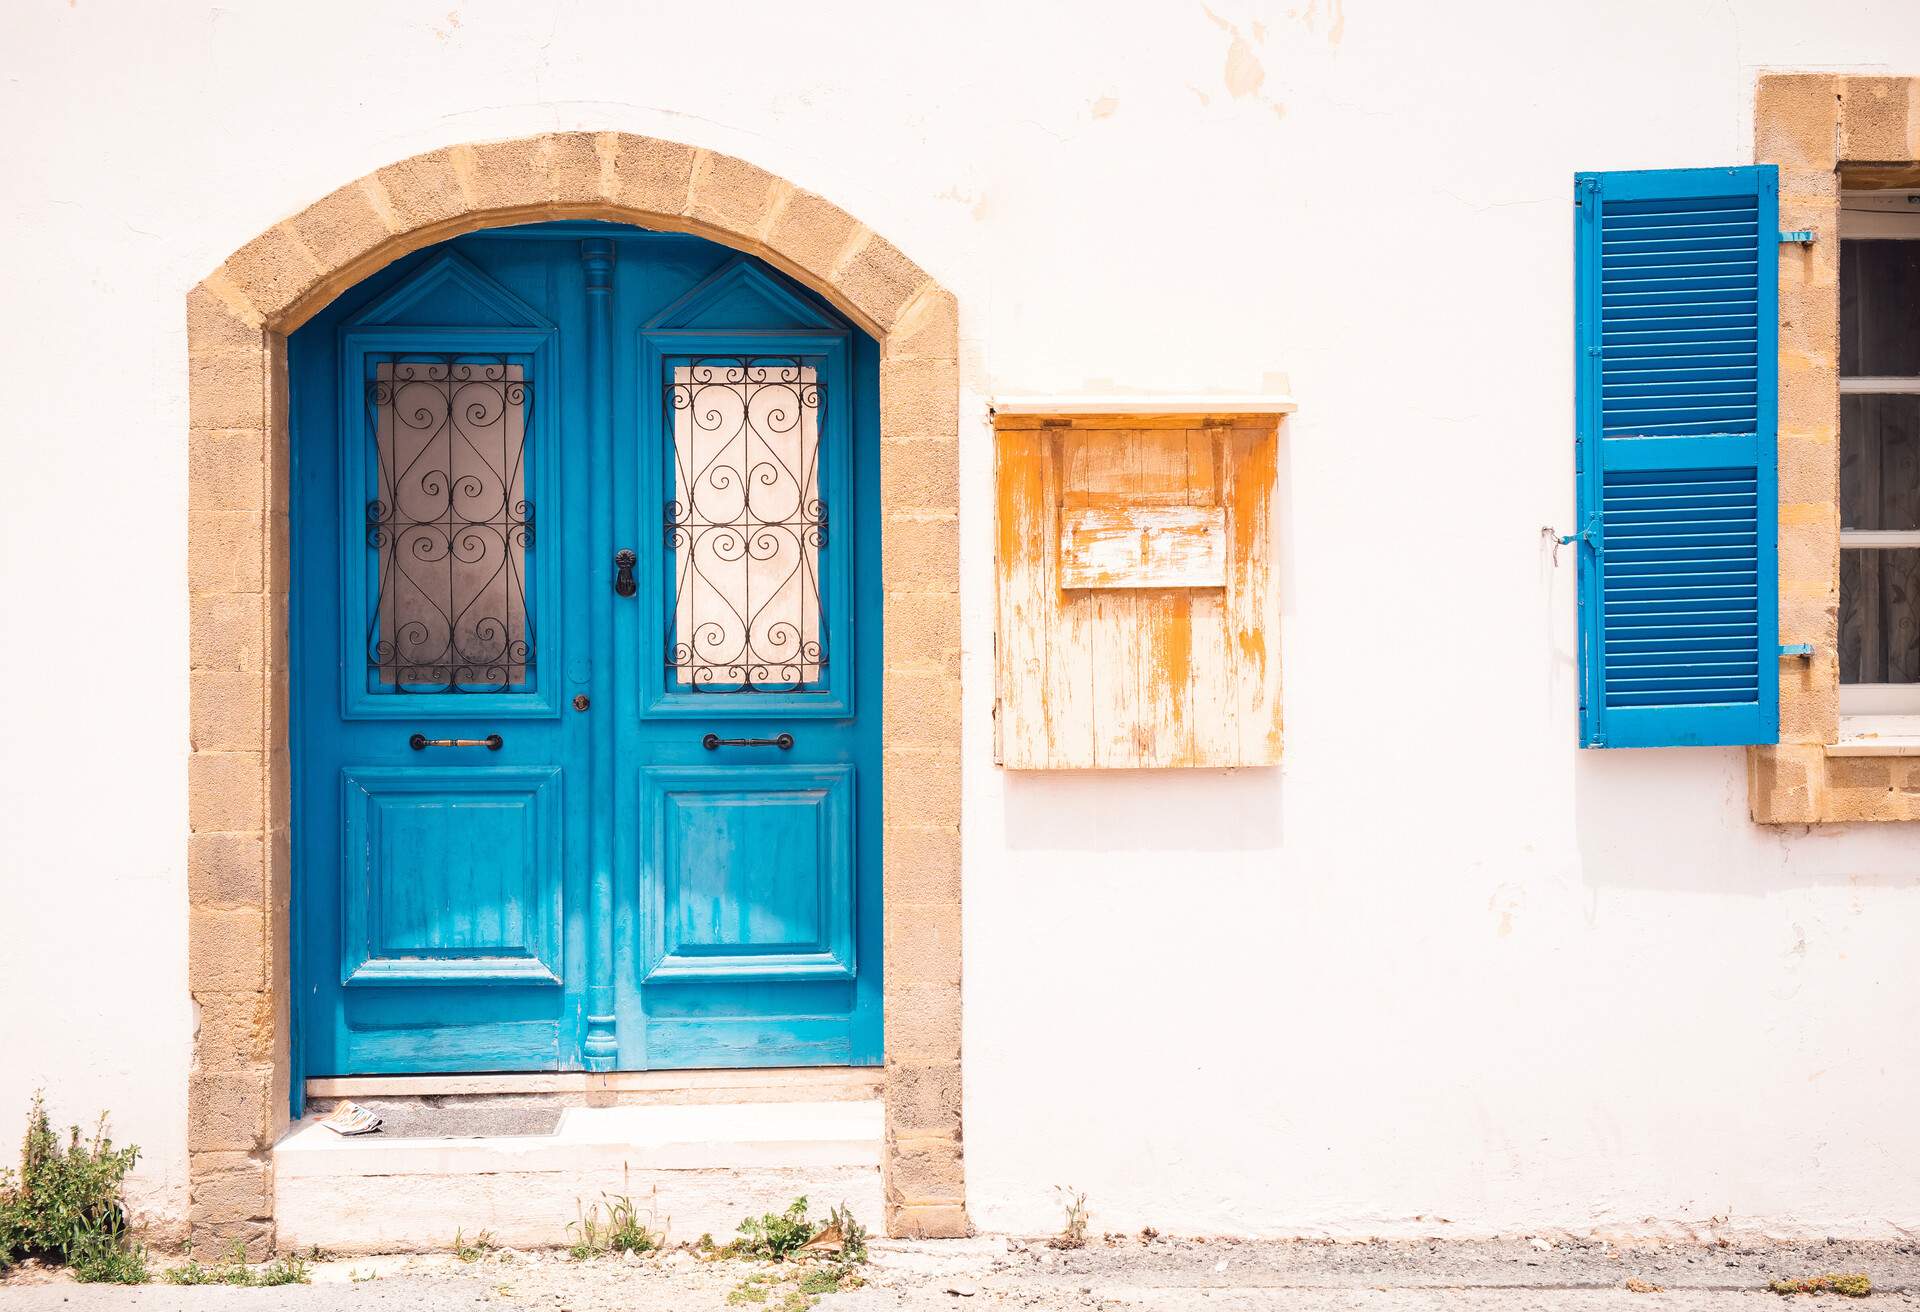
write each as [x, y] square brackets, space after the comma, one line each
[742, 296]
[449, 290]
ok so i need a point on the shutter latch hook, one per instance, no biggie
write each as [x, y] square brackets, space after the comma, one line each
[1589, 534]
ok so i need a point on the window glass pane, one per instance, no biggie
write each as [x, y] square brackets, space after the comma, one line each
[449, 525]
[1880, 462]
[1880, 616]
[1879, 308]
[746, 526]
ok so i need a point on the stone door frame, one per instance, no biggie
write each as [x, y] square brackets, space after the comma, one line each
[239, 851]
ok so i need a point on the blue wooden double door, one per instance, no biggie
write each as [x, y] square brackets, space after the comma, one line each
[585, 697]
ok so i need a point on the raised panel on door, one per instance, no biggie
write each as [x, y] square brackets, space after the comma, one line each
[751, 872]
[451, 876]
[451, 906]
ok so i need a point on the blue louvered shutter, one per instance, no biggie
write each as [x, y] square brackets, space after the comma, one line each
[1677, 290]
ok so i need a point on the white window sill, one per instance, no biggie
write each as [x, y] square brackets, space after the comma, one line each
[1877, 735]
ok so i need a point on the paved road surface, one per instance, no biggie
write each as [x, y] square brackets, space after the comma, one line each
[1174, 1276]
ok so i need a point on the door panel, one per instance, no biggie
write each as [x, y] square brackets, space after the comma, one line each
[435, 541]
[456, 503]
[751, 869]
[748, 486]
[452, 876]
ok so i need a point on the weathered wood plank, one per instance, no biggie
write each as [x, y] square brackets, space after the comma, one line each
[1026, 612]
[1253, 599]
[1144, 547]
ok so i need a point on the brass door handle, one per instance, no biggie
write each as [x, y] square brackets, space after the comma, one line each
[493, 742]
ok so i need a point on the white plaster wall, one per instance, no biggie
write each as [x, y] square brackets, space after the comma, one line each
[1440, 972]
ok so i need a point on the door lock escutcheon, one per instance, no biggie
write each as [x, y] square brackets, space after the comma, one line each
[623, 562]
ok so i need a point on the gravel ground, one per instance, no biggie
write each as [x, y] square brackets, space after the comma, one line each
[1176, 1275]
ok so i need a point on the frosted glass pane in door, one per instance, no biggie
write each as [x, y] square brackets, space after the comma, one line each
[450, 525]
[746, 525]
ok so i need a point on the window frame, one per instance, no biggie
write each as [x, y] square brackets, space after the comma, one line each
[1879, 708]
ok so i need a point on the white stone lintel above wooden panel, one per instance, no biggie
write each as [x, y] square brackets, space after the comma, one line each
[1223, 405]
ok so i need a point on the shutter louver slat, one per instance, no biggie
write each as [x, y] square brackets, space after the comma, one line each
[1677, 306]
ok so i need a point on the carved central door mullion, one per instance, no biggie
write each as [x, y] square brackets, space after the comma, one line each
[602, 1042]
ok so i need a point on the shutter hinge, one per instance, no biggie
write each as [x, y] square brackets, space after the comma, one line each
[1798, 237]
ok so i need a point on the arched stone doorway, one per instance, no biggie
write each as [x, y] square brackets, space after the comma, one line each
[238, 772]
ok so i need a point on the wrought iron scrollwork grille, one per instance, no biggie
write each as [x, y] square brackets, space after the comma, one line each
[450, 525]
[746, 525]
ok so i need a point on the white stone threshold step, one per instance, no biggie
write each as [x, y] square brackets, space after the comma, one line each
[770, 1084]
[695, 1169]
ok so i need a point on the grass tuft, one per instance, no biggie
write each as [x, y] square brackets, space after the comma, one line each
[613, 1225]
[233, 1270]
[1073, 1233]
[1854, 1284]
[475, 1249]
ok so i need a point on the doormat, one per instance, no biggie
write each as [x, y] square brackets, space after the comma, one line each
[460, 1118]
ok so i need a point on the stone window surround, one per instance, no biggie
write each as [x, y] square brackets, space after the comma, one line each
[1823, 129]
[238, 878]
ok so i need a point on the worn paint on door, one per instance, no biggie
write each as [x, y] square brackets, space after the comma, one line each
[586, 617]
